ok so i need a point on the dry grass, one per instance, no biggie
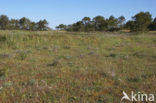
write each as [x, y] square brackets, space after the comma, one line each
[61, 67]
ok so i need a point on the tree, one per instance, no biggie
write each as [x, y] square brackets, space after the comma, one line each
[112, 23]
[14, 24]
[33, 26]
[87, 24]
[86, 20]
[62, 27]
[141, 21]
[69, 27]
[78, 26]
[130, 25]
[152, 26]
[154, 21]
[99, 23]
[42, 25]
[121, 21]
[24, 23]
[4, 21]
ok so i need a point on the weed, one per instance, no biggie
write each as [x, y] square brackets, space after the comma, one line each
[80, 68]
[3, 38]
[22, 55]
[3, 71]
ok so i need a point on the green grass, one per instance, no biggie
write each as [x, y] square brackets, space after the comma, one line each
[62, 67]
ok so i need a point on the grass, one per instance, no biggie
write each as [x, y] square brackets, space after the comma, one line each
[62, 67]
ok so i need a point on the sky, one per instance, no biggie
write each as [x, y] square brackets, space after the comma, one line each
[69, 11]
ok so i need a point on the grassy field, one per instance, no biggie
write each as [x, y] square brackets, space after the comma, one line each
[62, 67]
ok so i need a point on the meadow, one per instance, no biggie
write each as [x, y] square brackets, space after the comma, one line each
[69, 67]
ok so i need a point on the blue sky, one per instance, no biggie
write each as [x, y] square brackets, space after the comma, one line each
[70, 11]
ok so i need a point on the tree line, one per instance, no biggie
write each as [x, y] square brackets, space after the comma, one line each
[22, 24]
[141, 22]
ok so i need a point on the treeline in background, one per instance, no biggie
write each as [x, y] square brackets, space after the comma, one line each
[22, 24]
[141, 22]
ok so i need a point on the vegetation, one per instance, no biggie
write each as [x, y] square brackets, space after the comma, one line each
[71, 67]
[152, 26]
[141, 22]
[22, 24]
